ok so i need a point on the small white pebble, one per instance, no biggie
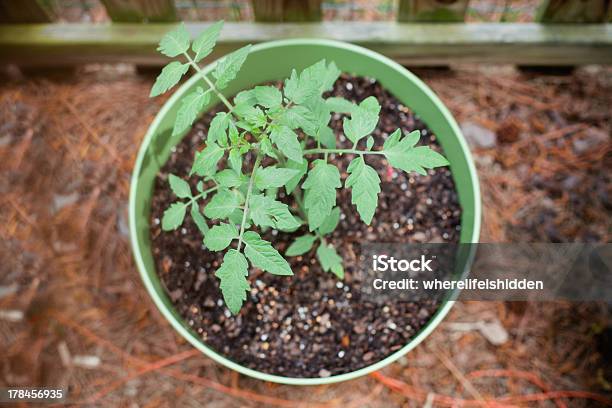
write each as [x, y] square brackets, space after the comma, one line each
[156, 221]
[349, 86]
[183, 231]
[86, 361]
[428, 201]
[395, 225]
[339, 285]
[341, 353]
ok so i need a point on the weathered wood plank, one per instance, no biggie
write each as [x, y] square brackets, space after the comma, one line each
[287, 10]
[574, 11]
[139, 11]
[432, 10]
[25, 11]
[412, 44]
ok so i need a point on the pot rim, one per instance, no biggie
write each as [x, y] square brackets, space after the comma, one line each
[188, 334]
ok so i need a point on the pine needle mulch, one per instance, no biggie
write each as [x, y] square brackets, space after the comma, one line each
[74, 314]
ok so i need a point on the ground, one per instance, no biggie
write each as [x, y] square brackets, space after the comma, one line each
[74, 313]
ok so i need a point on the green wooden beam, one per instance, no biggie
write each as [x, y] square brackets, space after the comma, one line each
[411, 44]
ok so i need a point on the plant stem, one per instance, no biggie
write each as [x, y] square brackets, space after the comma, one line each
[209, 82]
[340, 151]
[248, 196]
[204, 193]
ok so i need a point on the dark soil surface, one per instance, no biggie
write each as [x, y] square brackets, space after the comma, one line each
[311, 324]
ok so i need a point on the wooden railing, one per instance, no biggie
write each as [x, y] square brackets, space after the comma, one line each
[427, 32]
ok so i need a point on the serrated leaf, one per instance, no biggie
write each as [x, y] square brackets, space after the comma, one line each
[294, 181]
[234, 285]
[205, 42]
[174, 42]
[227, 68]
[369, 143]
[312, 81]
[170, 75]
[268, 96]
[301, 245]
[363, 120]
[402, 153]
[330, 222]
[179, 186]
[220, 236]
[265, 211]
[229, 178]
[287, 142]
[330, 260]
[365, 184]
[232, 132]
[300, 117]
[340, 105]
[205, 162]
[245, 98]
[235, 160]
[253, 115]
[191, 106]
[326, 137]
[217, 132]
[263, 256]
[271, 177]
[320, 187]
[222, 204]
[173, 216]
[198, 218]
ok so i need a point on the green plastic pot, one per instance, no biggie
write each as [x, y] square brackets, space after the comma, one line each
[272, 61]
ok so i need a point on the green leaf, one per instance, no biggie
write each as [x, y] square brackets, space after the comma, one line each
[220, 236]
[175, 42]
[179, 186]
[301, 245]
[205, 162]
[327, 137]
[170, 75]
[232, 133]
[218, 127]
[245, 98]
[198, 218]
[331, 222]
[235, 160]
[265, 211]
[205, 42]
[320, 187]
[340, 105]
[234, 285]
[191, 105]
[229, 178]
[330, 260]
[174, 216]
[287, 142]
[253, 115]
[222, 204]
[263, 256]
[365, 183]
[228, 67]
[402, 153]
[363, 120]
[268, 96]
[271, 177]
[369, 143]
[312, 81]
[300, 117]
[294, 181]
